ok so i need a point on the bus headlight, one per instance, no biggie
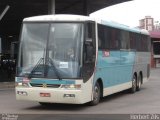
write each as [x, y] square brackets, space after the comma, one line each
[71, 86]
[22, 84]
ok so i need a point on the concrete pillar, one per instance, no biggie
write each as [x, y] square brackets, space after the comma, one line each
[0, 45]
[51, 7]
[86, 7]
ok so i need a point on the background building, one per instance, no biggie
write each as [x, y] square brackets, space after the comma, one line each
[147, 23]
[153, 27]
[155, 48]
[156, 25]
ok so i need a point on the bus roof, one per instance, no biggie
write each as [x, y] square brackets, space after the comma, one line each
[80, 18]
[59, 17]
[124, 27]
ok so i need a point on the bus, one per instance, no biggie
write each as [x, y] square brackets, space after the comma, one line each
[76, 59]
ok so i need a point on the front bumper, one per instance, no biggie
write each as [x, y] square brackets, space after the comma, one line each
[56, 95]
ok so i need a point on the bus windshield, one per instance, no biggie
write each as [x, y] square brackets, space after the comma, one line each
[51, 50]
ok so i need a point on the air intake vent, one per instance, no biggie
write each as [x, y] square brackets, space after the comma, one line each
[45, 85]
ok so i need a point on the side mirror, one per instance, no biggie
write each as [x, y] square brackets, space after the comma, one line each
[89, 53]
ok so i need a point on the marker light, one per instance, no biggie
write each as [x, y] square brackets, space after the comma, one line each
[24, 93]
[69, 95]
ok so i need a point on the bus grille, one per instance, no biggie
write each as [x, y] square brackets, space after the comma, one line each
[45, 85]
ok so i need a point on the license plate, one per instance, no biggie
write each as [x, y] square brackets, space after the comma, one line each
[45, 94]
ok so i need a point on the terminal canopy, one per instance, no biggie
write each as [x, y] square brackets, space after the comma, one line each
[83, 7]
[10, 24]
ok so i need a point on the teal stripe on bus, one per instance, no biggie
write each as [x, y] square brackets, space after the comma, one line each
[48, 81]
[41, 81]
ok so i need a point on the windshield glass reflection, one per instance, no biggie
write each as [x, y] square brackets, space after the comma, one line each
[51, 50]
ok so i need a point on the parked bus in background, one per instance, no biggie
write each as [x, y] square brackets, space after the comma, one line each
[75, 59]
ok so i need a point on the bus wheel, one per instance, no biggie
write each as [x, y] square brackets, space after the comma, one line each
[138, 87]
[134, 84]
[96, 95]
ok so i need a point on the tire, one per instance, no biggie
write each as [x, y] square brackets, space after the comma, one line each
[134, 84]
[139, 82]
[96, 95]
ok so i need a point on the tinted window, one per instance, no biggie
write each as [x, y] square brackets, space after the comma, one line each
[132, 37]
[108, 38]
[114, 39]
[124, 38]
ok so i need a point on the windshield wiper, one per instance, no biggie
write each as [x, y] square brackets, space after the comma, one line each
[45, 61]
[41, 60]
[54, 68]
[35, 67]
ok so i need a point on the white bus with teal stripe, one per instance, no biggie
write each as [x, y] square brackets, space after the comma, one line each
[75, 59]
